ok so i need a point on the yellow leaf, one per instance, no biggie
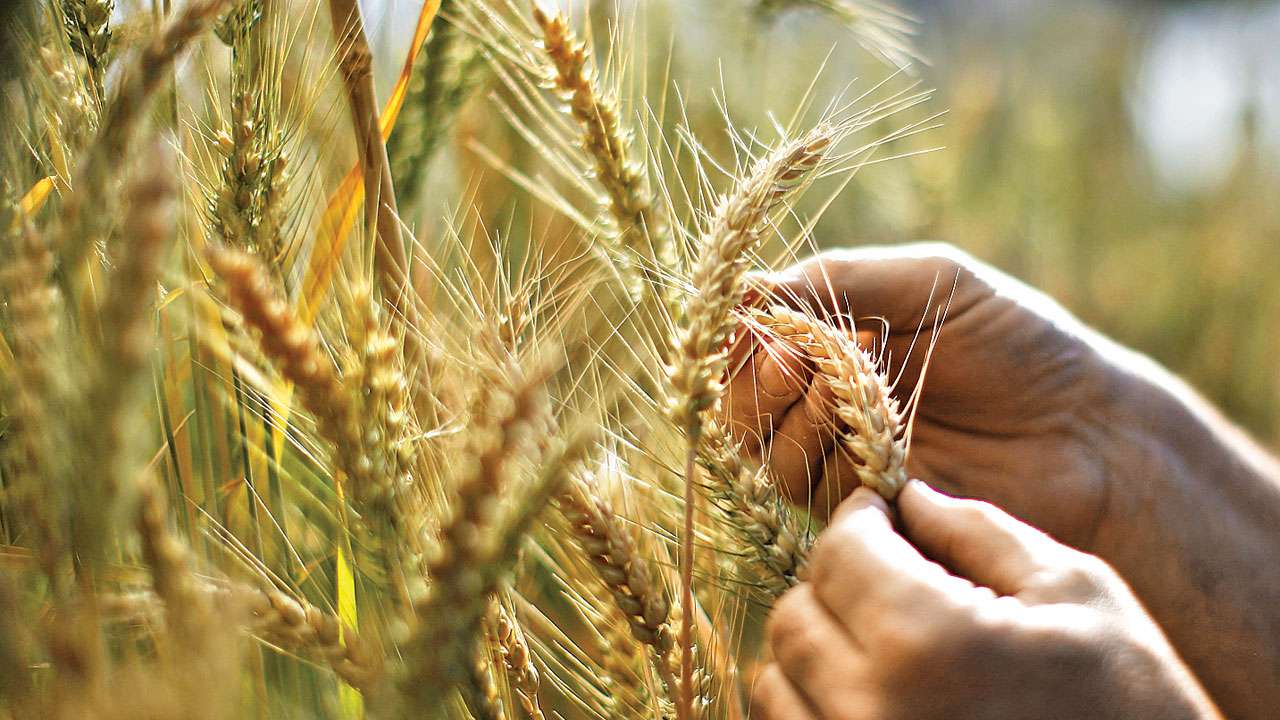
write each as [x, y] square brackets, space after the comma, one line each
[341, 210]
[35, 197]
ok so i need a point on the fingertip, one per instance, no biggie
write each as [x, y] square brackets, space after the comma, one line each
[861, 499]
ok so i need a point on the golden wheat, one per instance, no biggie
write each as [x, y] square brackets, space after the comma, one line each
[873, 426]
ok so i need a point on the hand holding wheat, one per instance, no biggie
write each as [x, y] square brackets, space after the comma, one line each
[1017, 388]
[893, 621]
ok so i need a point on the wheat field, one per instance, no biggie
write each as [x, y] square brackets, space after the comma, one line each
[314, 408]
[349, 378]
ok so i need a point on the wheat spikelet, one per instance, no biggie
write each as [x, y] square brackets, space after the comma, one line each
[373, 459]
[76, 115]
[295, 349]
[287, 622]
[295, 624]
[384, 400]
[874, 432]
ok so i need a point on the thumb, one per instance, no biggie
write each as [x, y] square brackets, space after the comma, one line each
[975, 539]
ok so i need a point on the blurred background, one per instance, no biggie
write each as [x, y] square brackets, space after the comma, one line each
[1118, 155]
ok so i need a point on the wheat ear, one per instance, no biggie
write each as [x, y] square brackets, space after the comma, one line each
[88, 28]
[295, 624]
[372, 461]
[33, 388]
[875, 429]
[87, 209]
[700, 355]
[755, 511]
[120, 356]
[186, 608]
[286, 622]
[444, 74]
[442, 649]
[612, 551]
[246, 209]
[606, 141]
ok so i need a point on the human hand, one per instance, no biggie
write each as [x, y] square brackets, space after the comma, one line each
[1024, 628]
[1016, 388]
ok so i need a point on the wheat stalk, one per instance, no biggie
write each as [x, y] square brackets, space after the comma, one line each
[355, 62]
[874, 429]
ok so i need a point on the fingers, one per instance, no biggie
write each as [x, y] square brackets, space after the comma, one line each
[773, 698]
[815, 653]
[801, 441]
[975, 539]
[770, 382]
[863, 571]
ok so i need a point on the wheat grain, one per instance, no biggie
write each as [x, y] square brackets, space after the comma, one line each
[874, 430]
[517, 659]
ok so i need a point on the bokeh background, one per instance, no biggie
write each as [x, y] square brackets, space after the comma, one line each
[1118, 155]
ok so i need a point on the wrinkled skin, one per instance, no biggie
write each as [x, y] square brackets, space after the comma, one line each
[1024, 407]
